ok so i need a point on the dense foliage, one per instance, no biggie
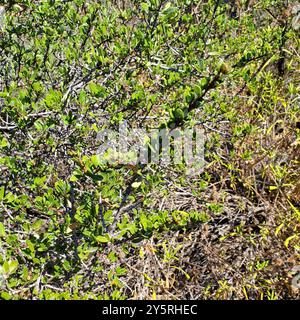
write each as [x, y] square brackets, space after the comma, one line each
[72, 227]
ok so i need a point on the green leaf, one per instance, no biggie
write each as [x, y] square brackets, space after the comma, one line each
[121, 271]
[288, 240]
[96, 160]
[169, 11]
[2, 190]
[178, 114]
[30, 246]
[144, 6]
[203, 82]
[136, 185]
[96, 89]
[102, 239]
[294, 209]
[144, 222]
[273, 188]
[5, 268]
[5, 296]
[4, 143]
[73, 178]
[9, 267]
[13, 266]
[37, 224]
[198, 90]
[39, 181]
[2, 230]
